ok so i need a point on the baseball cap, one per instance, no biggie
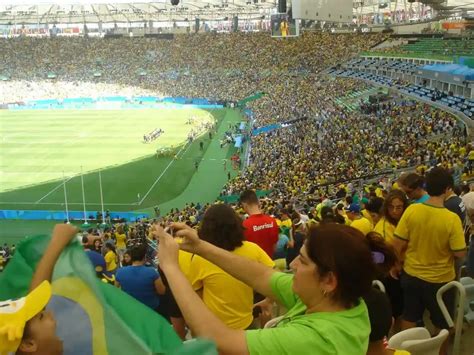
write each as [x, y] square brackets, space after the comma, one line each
[15, 313]
[353, 207]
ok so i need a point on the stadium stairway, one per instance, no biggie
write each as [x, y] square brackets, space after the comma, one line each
[352, 101]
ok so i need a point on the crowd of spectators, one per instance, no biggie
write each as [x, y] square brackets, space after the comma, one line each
[338, 145]
[361, 238]
[224, 67]
[210, 281]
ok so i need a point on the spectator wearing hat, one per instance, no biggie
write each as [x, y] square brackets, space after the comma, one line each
[25, 325]
[358, 222]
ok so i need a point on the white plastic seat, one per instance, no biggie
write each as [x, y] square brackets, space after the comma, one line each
[418, 341]
[379, 285]
[468, 284]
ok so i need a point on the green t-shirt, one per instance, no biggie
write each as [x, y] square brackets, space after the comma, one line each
[345, 332]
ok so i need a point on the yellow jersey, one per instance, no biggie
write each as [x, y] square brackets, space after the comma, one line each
[379, 192]
[385, 229]
[121, 238]
[366, 214]
[184, 260]
[286, 223]
[401, 352]
[433, 234]
[228, 298]
[110, 260]
[470, 156]
[362, 224]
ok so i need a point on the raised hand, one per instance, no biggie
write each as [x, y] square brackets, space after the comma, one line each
[190, 238]
[168, 248]
[63, 234]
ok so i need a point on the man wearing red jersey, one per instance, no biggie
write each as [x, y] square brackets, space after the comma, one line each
[260, 228]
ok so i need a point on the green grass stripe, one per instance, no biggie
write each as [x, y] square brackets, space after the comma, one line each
[108, 141]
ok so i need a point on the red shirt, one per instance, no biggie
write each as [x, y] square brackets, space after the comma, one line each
[262, 230]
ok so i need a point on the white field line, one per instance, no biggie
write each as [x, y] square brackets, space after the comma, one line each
[163, 173]
[49, 193]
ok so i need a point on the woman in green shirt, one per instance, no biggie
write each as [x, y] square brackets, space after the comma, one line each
[326, 314]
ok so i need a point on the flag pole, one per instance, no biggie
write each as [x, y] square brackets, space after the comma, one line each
[101, 198]
[83, 197]
[65, 198]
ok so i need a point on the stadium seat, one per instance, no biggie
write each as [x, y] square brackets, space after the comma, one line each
[468, 284]
[418, 341]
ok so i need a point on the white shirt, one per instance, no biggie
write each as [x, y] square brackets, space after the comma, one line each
[468, 200]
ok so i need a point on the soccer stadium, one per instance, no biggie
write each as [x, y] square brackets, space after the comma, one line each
[237, 177]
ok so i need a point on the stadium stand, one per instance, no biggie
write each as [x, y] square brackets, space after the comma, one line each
[334, 152]
[429, 48]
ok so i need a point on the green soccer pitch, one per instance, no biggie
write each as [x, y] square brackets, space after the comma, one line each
[38, 147]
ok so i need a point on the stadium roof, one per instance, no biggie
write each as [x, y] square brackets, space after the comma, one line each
[94, 11]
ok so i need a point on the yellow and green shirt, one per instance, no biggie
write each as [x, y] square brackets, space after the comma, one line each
[433, 234]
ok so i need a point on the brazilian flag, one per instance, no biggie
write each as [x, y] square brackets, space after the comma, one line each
[93, 317]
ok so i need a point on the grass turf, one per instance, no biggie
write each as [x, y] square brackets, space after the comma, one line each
[172, 188]
[38, 145]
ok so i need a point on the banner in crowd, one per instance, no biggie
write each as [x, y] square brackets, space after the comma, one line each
[93, 317]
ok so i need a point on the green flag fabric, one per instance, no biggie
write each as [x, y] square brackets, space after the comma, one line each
[93, 317]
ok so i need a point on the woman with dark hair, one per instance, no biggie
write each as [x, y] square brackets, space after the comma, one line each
[127, 258]
[392, 210]
[383, 255]
[378, 303]
[326, 312]
[110, 258]
[229, 299]
[97, 246]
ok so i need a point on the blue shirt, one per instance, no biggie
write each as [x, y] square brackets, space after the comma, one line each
[280, 252]
[139, 282]
[422, 199]
[97, 260]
